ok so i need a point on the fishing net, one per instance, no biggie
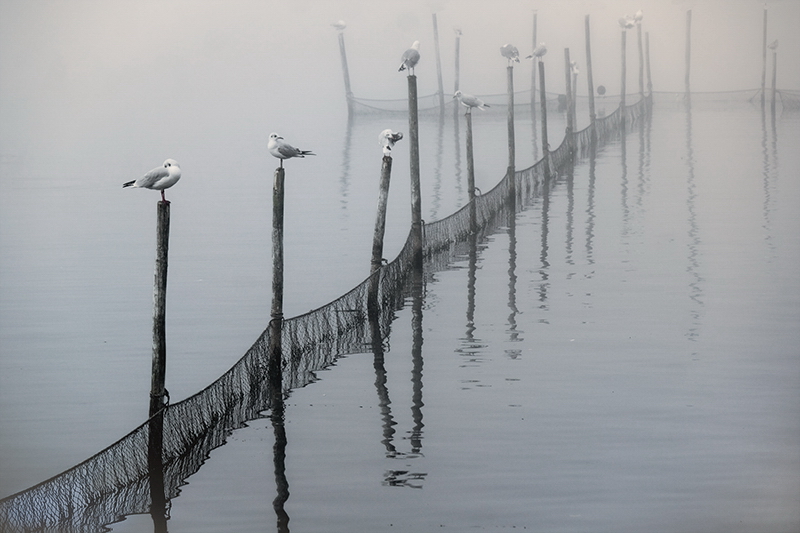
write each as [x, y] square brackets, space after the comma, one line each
[171, 446]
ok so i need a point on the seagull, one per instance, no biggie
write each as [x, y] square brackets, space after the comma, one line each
[159, 178]
[283, 150]
[773, 45]
[573, 67]
[626, 22]
[410, 59]
[510, 52]
[387, 138]
[457, 30]
[469, 101]
[339, 25]
[637, 18]
[538, 52]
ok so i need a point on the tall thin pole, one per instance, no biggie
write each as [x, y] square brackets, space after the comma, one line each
[458, 61]
[764, 59]
[471, 175]
[641, 58]
[416, 197]
[346, 72]
[568, 91]
[624, 75]
[276, 313]
[438, 61]
[159, 367]
[589, 79]
[380, 221]
[510, 120]
[647, 62]
[533, 72]
[688, 48]
[543, 101]
[774, 80]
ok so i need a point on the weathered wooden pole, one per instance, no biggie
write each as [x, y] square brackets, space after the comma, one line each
[568, 92]
[533, 73]
[458, 62]
[416, 195]
[276, 313]
[647, 63]
[589, 79]
[380, 221]
[764, 60]
[470, 160]
[510, 120]
[688, 49]
[624, 75]
[774, 80]
[438, 61]
[346, 72]
[159, 369]
[641, 59]
[543, 101]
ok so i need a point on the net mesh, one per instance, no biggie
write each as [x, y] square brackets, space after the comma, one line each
[117, 481]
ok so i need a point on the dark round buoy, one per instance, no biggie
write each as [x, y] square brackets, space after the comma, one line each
[601, 90]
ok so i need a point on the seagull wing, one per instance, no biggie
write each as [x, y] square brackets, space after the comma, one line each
[151, 178]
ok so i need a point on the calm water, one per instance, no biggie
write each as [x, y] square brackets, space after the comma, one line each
[621, 357]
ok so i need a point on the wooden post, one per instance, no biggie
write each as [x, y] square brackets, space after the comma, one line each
[470, 160]
[416, 197]
[543, 101]
[641, 59]
[380, 221]
[764, 59]
[438, 61]
[688, 49]
[568, 92]
[511, 141]
[774, 80]
[589, 79]
[533, 74]
[624, 75]
[159, 368]
[647, 63]
[276, 313]
[458, 62]
[346, 72]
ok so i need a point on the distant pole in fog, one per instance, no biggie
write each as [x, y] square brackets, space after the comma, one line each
[159, 367]
[589, 79]
[764, 59]
[543, 101]
[510, 120]
[688, 48]
[346, 73]
[458, 61]
[774, 78]
[470, 159]
[641, 59]
[624, 74]
[647, 62]
[533, 72]
[568, 92]
[438, 61]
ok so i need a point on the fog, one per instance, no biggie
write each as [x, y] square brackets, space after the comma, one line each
[72, 69]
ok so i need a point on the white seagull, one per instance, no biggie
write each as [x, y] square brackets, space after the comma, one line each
[573, 67]
[387, 138]
[339, 25]
[469, 101]
[410, 58]
[283, 150]
[626, 22]
[538, 52]
[510, 52]
[637, 18]
[159, 178]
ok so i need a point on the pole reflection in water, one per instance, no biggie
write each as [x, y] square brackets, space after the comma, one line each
[155, 467]
[457, 136]
[344, 179]
[590, 203]
[626, 211]
[384, 403]
[693, 253]
[769, 170]
[436, 201]
[569, 171]
[544, 263]
[513, 333]
[277, 417]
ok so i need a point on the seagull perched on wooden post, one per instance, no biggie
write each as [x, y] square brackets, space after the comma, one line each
[626, 22]
[773, 45]
[410, 59]
[637, 17]
[159, 178]
[538, 52]
[387, 138]
[469, 101]
[339, 25]
[510, 52]
[283, 150]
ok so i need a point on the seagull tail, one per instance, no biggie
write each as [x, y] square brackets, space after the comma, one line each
[128, 184]
[306, 152]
